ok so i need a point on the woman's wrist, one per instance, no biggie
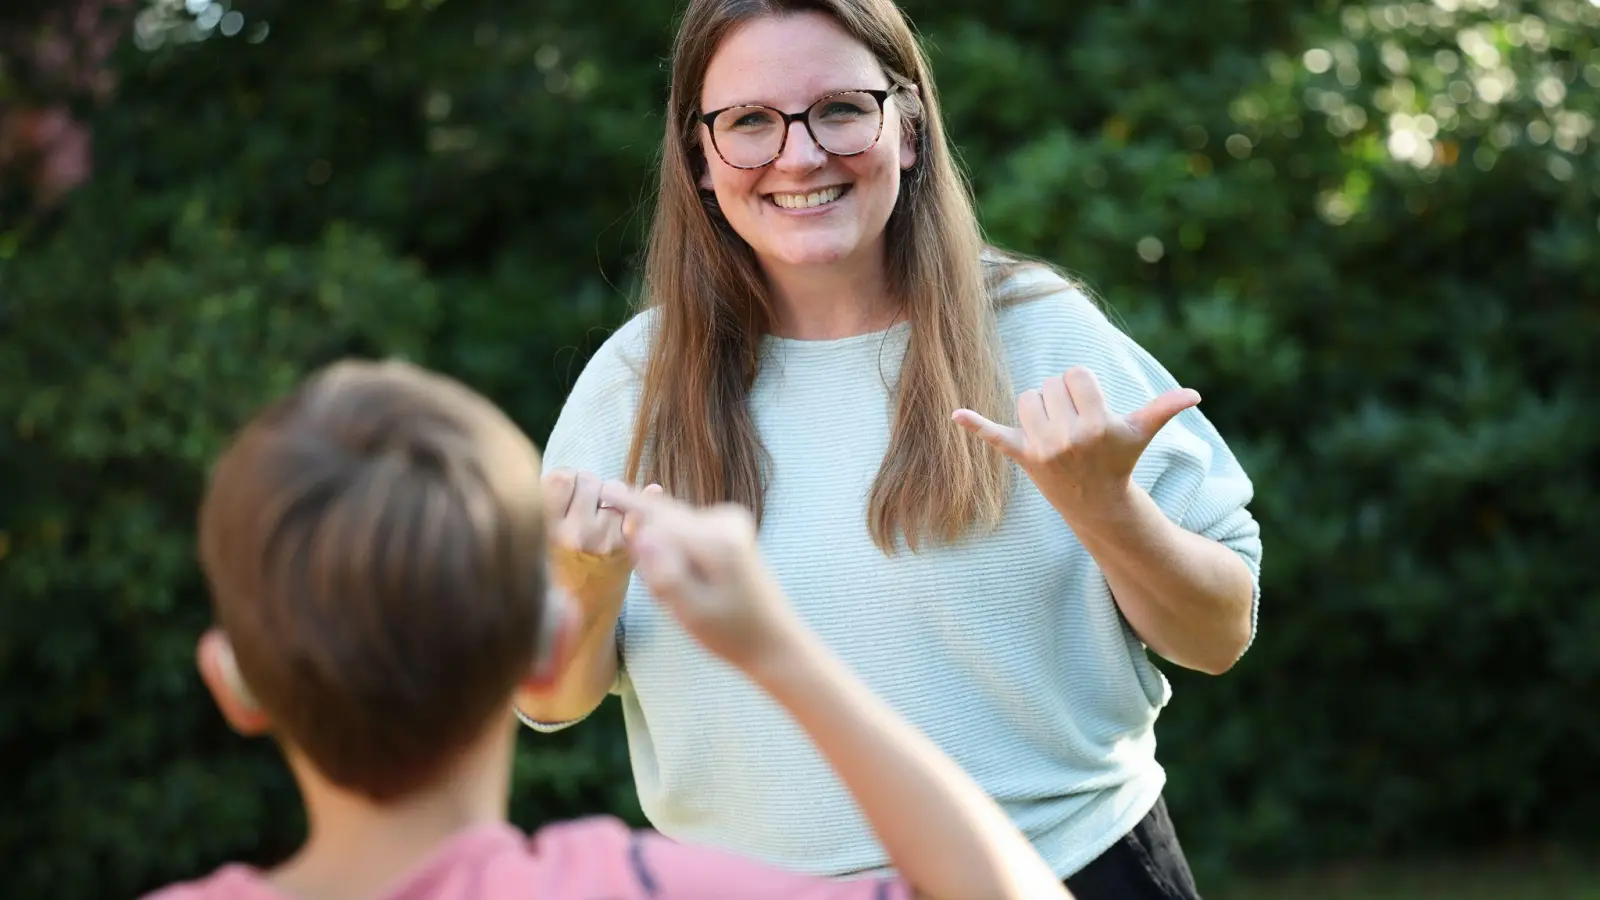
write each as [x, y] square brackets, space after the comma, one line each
[597, 590]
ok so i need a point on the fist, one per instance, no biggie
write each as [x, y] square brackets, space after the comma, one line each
[588, 552]
[705, 568]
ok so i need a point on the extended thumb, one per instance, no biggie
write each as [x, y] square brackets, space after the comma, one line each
[1158, 412]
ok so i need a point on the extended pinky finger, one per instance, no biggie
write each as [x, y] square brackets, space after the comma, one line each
[1004, 438]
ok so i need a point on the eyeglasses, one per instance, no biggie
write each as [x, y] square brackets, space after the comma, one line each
[847, 123]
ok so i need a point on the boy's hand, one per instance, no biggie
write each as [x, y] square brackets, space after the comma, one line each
[704, 566]
[587, 547]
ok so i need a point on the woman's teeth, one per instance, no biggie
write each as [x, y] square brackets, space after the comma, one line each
[807, 201]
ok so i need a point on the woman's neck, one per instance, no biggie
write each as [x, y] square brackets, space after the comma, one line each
[819, 303]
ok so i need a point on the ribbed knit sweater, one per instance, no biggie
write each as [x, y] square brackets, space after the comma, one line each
[1006, 649]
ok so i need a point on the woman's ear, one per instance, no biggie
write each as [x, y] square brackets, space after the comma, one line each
[220, 672]
[908, 131]
[700, 158]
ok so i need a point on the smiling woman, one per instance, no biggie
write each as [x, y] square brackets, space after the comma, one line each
[824, 198]
[828, 341]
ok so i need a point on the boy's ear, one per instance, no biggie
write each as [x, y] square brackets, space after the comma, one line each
[558, 640]
[220, 672]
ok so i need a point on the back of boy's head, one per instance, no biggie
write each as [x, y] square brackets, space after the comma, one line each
[375, 548]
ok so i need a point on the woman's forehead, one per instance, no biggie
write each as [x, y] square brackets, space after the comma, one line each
[788, 62]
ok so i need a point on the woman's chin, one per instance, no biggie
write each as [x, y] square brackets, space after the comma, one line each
[811, 254]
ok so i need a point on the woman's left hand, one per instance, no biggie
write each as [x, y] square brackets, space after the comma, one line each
[1079, 454]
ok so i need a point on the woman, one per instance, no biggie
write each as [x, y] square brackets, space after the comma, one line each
[827, 341]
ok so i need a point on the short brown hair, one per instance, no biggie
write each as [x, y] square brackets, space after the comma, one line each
[375, 548]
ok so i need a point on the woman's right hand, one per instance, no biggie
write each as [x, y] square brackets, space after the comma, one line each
[588, 551]
[589, 562]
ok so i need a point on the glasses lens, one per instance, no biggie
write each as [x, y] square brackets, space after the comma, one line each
[748, 135]
[847, 123]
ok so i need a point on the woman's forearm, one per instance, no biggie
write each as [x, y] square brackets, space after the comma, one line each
[1185, 595]
[592, 667]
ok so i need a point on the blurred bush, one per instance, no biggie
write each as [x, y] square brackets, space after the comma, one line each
[1366, 233]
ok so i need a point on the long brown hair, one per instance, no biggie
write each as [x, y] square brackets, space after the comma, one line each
[695, 434]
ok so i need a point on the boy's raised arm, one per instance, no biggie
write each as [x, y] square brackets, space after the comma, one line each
[947, 839]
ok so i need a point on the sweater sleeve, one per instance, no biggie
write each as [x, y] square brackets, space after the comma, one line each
[593, 431]
[595, 425]
[1188, 469]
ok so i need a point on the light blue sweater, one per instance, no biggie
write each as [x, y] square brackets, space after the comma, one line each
[1008, 651]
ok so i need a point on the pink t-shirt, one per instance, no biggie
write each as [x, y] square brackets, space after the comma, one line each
[589, 859]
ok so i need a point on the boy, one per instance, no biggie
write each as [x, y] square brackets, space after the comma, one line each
[375, 549]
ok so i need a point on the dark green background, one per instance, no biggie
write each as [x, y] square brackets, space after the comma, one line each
[1399, 352]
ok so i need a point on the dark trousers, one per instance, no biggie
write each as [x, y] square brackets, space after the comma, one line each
[1146, 864]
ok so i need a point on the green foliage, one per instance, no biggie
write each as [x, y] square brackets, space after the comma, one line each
[1377, 261]
[131, 374]
[1367, 234]
[1539, 878]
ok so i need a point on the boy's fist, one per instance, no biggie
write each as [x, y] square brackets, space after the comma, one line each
[705, 567]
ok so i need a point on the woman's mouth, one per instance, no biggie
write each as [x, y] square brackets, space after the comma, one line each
[811, 200]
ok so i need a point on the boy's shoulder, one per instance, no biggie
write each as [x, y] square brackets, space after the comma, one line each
[599, 856]
[234, 881]
[573, 858]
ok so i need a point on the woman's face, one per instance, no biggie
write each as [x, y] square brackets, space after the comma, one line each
[808, 207]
